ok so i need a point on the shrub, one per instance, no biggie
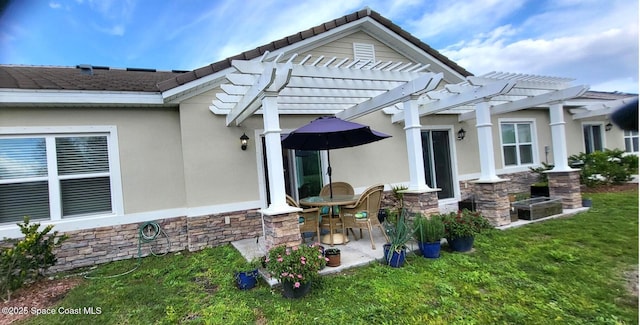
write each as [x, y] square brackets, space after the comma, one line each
[428, 230]
[29, 258]
[299, 264]
[606, 167]
[465, 223]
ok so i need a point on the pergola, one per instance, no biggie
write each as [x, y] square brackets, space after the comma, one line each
[351, 88]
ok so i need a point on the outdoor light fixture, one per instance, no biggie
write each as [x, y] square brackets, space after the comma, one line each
[244, 141]
[608, 127]
[461, 134]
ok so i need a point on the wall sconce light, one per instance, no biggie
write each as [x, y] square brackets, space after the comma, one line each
[608, 127]
[461, 134]
[244, 141]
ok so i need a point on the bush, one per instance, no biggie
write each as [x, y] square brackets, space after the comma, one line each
[606, 167]
[428, 230]
[29, 258]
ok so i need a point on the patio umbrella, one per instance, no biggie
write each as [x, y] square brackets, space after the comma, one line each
[330, 132]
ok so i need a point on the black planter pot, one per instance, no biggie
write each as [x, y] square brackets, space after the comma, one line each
[461, 244]
[539, 191]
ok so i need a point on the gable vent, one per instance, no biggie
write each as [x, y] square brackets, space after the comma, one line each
[365, 52]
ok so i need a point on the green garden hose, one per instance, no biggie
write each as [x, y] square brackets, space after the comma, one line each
[148, 232]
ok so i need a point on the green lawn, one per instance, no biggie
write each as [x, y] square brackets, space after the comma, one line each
[565, 271]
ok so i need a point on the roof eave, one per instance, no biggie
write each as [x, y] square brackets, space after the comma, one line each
[37, 97]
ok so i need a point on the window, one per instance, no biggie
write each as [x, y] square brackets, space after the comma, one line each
[631, 141]
[592, 137]
[55, 176]
[517, 143]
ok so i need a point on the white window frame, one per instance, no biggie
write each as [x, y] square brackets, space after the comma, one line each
[534, 142]
[50, 133]
[602, 135]
[628, 134]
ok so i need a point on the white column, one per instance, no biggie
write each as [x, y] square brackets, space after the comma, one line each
[485, 143]
[413, 129]
[558, 138]
[274, 155]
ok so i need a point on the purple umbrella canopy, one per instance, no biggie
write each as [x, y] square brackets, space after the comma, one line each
[330, 132]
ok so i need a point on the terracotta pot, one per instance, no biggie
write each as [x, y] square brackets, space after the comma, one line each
[334, 257]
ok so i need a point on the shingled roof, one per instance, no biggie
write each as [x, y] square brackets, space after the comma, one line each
[82, 78]
[147, 80]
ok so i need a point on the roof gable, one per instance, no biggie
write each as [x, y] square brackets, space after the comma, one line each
[296, 43]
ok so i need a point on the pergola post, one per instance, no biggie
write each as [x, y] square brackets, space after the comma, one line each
[485, 143]
[559, 139]
[413, 129]
[419, 197]
[564, 181]
[280, 219]
[490, 191]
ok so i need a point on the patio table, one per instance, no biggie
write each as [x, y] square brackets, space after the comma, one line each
[337, 200]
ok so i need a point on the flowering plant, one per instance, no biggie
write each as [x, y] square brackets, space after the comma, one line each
[464, 223]
[299, 264]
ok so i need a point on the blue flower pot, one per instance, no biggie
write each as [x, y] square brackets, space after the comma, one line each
[461, 244]
[394, 258]
[246, 280]
[430, 250]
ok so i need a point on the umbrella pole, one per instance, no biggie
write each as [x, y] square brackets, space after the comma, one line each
[329, 173]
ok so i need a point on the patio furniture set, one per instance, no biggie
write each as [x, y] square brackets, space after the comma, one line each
[340, 213]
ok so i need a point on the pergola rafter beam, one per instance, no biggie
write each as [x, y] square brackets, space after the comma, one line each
[600, 109]
[469, 97]
[412, 88]
[265, 80]
[550, 97]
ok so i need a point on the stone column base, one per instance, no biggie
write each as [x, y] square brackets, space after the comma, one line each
[566, 185]
[281, 229]
[425, 202]
[492, 201]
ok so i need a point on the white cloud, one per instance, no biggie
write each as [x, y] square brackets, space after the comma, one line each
[603, 53]
[54, 5]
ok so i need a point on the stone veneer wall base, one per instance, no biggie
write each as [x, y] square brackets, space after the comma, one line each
[281, 229]
[566, 185]
[95, 246]
[492, 200]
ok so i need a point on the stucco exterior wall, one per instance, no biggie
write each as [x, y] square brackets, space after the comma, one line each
[149, 143]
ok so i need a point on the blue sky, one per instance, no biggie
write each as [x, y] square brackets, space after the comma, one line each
[592, 41]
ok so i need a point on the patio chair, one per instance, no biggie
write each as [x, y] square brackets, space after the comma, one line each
[339, 188]
[364, 213]
[308, 219]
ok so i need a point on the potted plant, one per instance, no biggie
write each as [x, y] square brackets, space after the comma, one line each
[587, 202]
[247, 278]
[296, 267]
[399, 232]
[428, 232]
[333, 257]
[461, 228]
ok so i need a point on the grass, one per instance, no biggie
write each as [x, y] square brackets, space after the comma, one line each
[564, 271]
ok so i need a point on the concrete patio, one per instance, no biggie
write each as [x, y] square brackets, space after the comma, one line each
[358, 252]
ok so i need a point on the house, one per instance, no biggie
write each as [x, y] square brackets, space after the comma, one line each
[98, 151]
